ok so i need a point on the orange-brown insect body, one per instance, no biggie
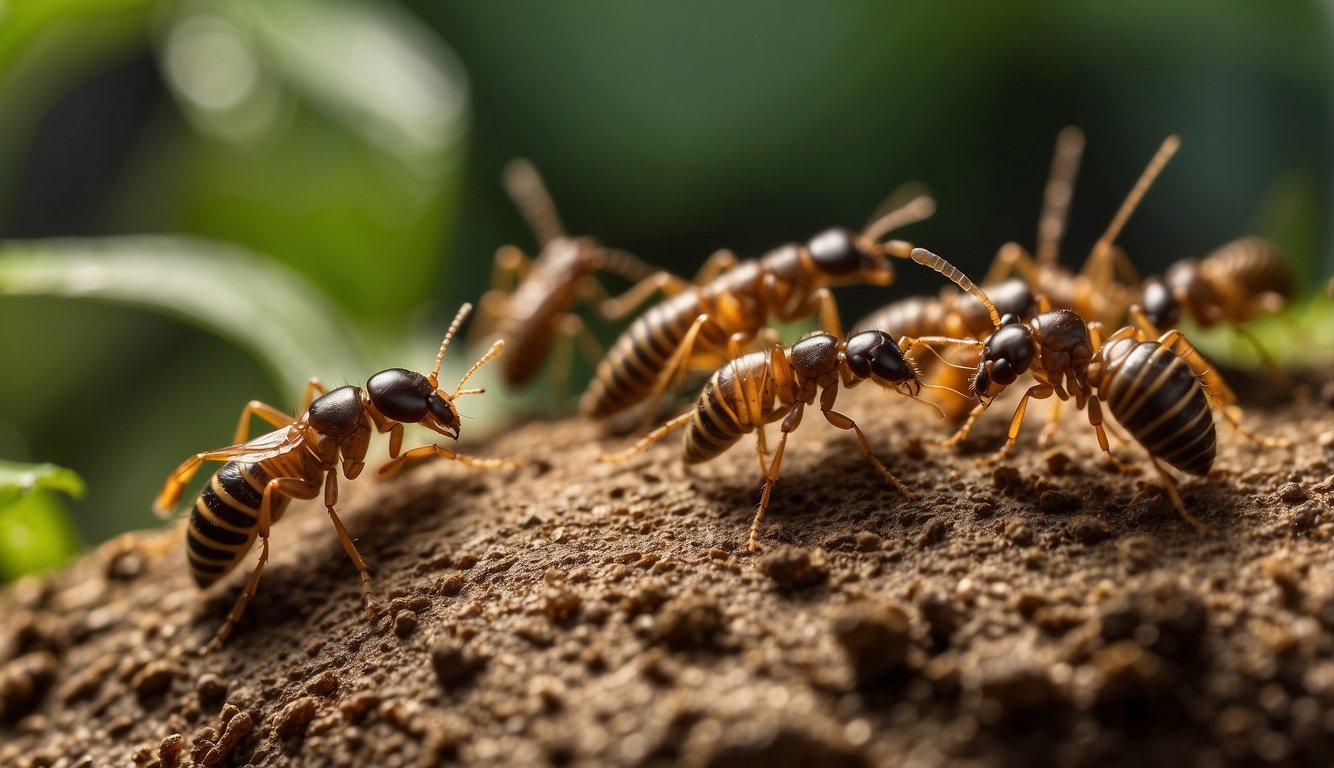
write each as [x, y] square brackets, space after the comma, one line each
[785, 284]
[301, 459]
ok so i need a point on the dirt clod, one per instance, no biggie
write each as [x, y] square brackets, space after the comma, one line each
[791, 569]
[169, 752]
[1088, 529]
[405, 623]
[874, 638]
[1293, 494]
[210, 688]
[295, 717]
[1054, 502]
[453, 663]
[154, 679]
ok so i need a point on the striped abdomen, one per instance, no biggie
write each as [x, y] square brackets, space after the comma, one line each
[529, 324]
[1154, 394]
[632, 366]
[721, 416]
[914, 316]
[224, 520]
[1252, 262]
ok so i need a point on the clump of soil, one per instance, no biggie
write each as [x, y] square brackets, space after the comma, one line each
[1040, 611]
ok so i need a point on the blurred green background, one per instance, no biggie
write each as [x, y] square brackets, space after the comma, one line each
[327, 172]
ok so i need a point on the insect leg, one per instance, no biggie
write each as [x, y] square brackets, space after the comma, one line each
[620, 306]
[330, 499]
[280, 486]
[425, 451]
[526, 188]
[644, 442]
[275, 416]
[1039, 391]
[675, 367]
[1170, 484]
[844, 422]
[790, 422]
[1095, 420]
[1010, 259]
[177, 480]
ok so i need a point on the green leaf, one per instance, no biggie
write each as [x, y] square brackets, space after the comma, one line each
[260, 305]
[18, 480]
[35, 533]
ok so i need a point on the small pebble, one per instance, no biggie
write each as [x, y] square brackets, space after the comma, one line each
[1088, 529]
[405, 623]
[1293, 493]
[791, 568]
[295, 717]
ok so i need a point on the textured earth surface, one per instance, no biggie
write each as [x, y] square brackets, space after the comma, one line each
[1039, 611]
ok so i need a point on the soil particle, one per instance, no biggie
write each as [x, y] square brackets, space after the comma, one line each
[691, 621]
[1088, 529]
[453, 663]
[1056, 502]
[791, 569]
[875, 639]
[169, 752]
[1293, 494]
[293, 720]
[405, 623]
[154, 679]
[210, 688]
[23, 682]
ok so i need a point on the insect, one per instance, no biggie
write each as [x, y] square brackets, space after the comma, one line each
[302, 457]
[1160, 389]
[1094, 292]
[730, 303]
[537, 313]
[1239, 281]
[760, 388]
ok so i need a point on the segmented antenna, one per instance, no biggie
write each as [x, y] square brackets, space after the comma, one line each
[932, 261]
[1169, 147]
[1056, 197]
[920, 207]
[530, 195]
[434, 378]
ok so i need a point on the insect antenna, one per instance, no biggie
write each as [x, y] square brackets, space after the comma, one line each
[918, 208]
[496, 348]
[530, 195]
[1056, 197]
[1102, 249]
[434, 378]
[932, 261]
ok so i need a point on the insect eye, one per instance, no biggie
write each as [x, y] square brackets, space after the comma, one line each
[858, 350]
[887, 363]
[400, 394]
[837, 251]
[1009, 319]
[443, 412]
[1003, 373]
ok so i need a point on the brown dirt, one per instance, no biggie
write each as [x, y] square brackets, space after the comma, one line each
[1042, 611]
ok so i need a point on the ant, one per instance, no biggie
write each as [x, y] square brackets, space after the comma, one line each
[730, 303]
[1161, 389]
[739, 398]
[538, 309]
[261, 476]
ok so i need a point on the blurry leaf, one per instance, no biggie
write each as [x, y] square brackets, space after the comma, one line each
[35, 535]
[261, 306]
[329, 136]
[18, 480]
[35, 529]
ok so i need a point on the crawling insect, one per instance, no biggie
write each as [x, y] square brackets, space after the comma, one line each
[262, 476]
[538, 311]
[731, 303]
[1237, 282]
[739, 398]
[1160, 389]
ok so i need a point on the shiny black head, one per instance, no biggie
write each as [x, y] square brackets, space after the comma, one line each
[843, 253]
[1013, 297]
[1160, 306]
[1005, 356]
[408, 396]
[873, 354]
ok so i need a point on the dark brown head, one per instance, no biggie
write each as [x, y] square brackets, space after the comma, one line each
[874, 355]
[843, 256]
[1159, 305]
[408, 397]
[1006, 355]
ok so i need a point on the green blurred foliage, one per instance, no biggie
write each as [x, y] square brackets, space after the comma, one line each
[343, 154]
[35, 531]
